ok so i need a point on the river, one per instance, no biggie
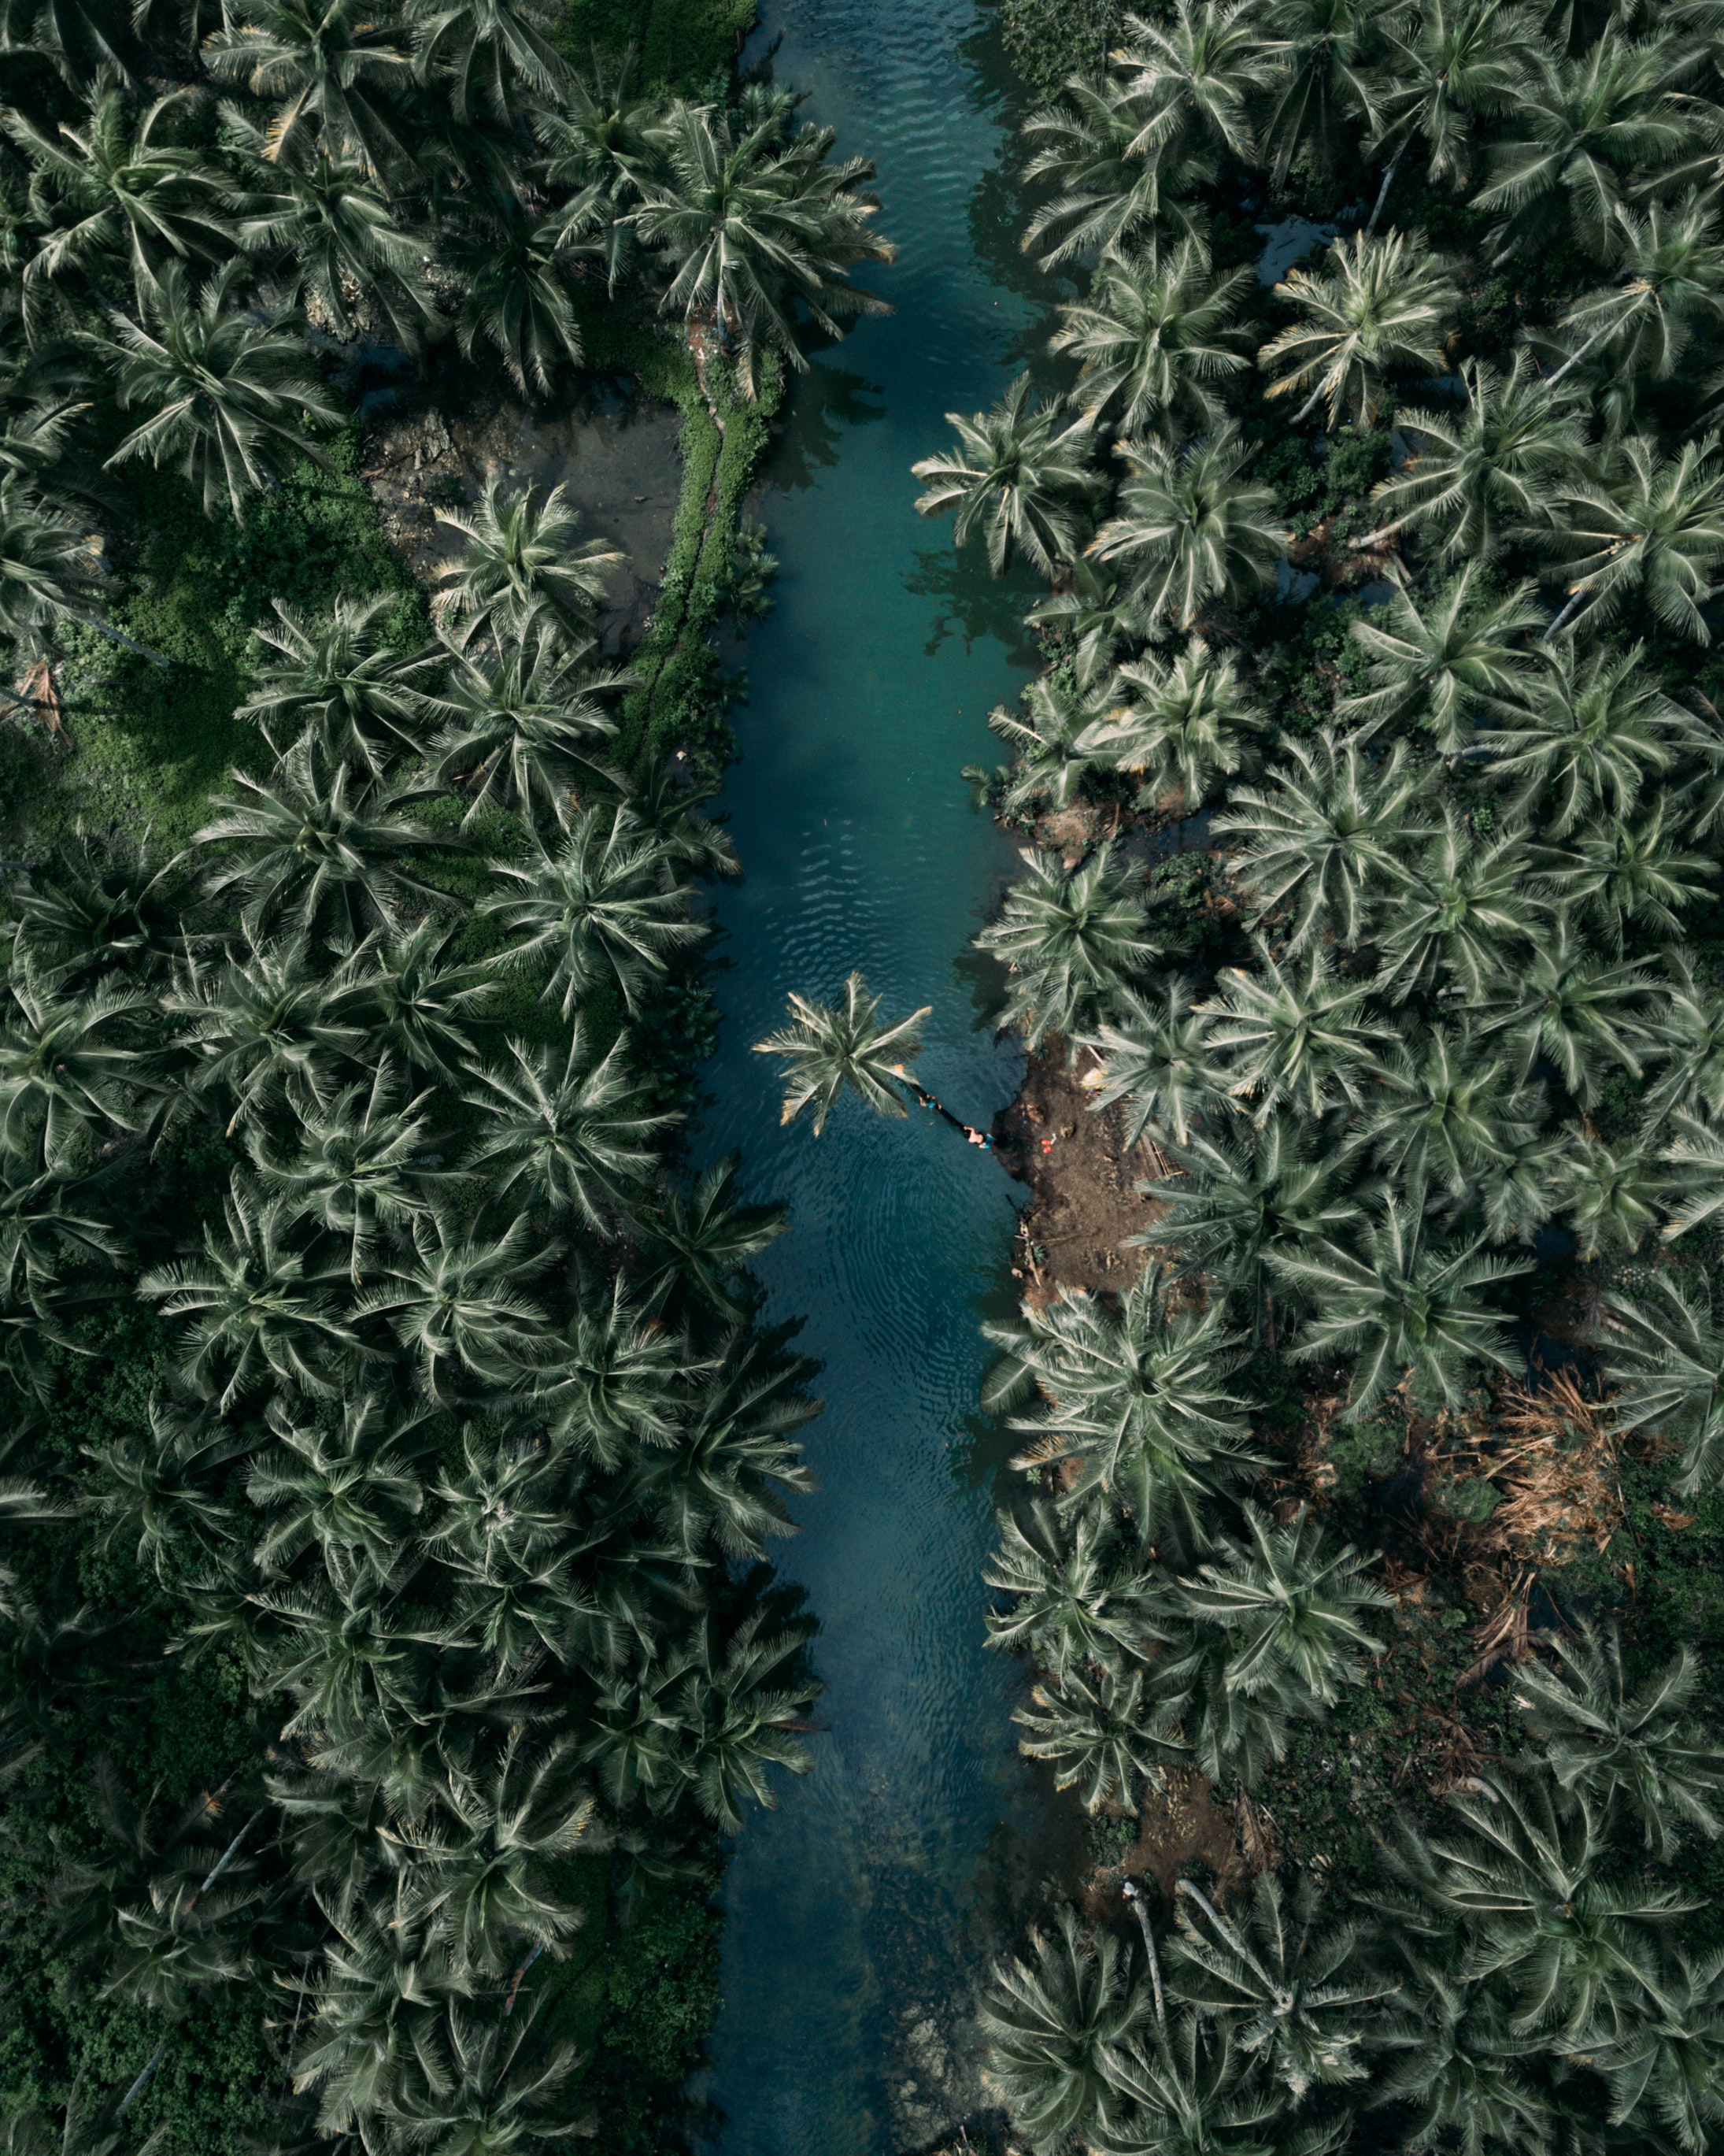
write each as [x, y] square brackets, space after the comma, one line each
[861, 1914]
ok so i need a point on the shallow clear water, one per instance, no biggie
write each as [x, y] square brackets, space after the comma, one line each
[861, 1914]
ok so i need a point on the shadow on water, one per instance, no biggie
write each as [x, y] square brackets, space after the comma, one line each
[863, 1913]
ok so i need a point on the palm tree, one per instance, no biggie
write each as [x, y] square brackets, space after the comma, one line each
[599, 140]
[1443, 65]
[737, 1724]
[115, 194]
[268, 1019]
[99, 902]
[1450, 1110]
[606, 904]
[344, 681]
[1308, 1042]
[1112, 191]
[520, 732]
[1378, 304]
[1638, 1746]
[1099, 613]
[457, 1303]
[1526, 1877]
[1314, 97]
[1068, 938]
[523, 568]
[1139, 1396]
[1075, 1601]
[1048, 766]
[1022, 474]
[504, 2088]
[49, 571]
[1443, 667]
[358, 1167]
[1465, 899]
[1194, 76]
[73, 1069]
[1155, 1057]
[1190, 527]
[511, 263]
[1623, 873]
[226, 397]
[1664, 1354]
[1296, 1984]
[751, 222]
[259, 1311]
[1404, 1304]
[1180, 726]
[1234, 1203]
[1638, 328]
[1331, 836]
[483, 1869]
[326, 218]
[1492, 472]
[80, 40]
[1581, 125]
[347, 1491]
[1110, 1742]
[1588, 731]
[485, 57]
[828, 1046]
[1289, 1608]
[329, 68]
[310, 848]
[1646, 527]
[1580, 1014]
[1692, 1034]
[418, 1000]
[1668, 2063]
[1188, 2093]
[1155, 331]
[558, 1129]
[1054, 2027]
[1452, 2055]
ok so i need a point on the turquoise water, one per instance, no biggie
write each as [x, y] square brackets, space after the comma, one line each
[861, 1914]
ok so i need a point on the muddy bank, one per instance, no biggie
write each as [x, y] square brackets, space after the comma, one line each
[1085, 1208]
[618, 463]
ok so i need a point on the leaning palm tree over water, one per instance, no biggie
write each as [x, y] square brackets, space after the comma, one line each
[1023, 473]
[828, 1046]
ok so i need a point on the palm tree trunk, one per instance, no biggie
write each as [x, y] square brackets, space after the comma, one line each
[137, 2088]
[1573, 600]
[1134, 1895]
[1382, 192]
[1575, 358]
[107, 628]
[1305, 410]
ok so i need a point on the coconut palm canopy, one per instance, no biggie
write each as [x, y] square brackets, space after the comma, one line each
[1431, 990]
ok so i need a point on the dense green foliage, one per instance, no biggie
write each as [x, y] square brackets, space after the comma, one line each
[1401, 575]
[388, 1642]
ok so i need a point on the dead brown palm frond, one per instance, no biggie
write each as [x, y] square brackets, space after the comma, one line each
[1561, 1473]
[1504, 1636]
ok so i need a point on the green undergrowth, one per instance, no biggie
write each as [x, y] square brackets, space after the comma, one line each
[688, 45]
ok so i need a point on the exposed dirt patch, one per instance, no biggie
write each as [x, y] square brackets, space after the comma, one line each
[1076, 1161]
[619, 466]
